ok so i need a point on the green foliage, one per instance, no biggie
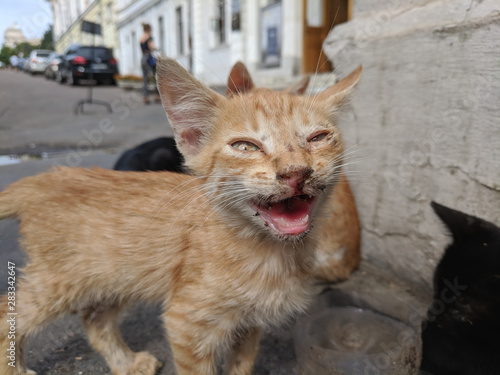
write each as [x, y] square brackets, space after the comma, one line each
[5, 54]
[25, 48]
[47, 40]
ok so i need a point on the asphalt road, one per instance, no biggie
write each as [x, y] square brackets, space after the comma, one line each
[36, 117]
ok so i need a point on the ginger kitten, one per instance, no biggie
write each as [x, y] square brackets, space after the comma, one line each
[227, 251]
[338, 247]
[338, 250]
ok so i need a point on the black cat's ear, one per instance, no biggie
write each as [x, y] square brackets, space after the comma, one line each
[190, 105]
[460, 224]
[239, 80]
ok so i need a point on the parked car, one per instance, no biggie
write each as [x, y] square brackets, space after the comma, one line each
[52, 65]
[37, 61]
[78, 62]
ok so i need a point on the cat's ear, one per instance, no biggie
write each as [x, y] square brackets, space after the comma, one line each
[337, 94]
[299, 88]
[190, 106]
[460, 224]
[239, 81]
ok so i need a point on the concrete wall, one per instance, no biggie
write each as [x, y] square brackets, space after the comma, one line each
[425, 120]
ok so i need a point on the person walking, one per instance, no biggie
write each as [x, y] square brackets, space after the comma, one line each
[14, 61]
[148, 63]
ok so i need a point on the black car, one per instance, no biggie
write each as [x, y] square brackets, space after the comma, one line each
[78, 62]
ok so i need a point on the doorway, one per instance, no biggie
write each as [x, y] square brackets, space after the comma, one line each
[319, 17]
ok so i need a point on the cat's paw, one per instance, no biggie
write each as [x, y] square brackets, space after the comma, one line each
[144, 364]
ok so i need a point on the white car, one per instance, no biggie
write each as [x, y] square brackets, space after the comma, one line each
[38, 60]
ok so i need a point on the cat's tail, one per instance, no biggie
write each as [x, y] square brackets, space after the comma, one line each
[8, 206]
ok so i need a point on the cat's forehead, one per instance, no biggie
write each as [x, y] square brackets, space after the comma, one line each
[269, 113]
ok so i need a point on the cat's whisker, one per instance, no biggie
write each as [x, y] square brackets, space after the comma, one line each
[223, 206]
[159, 207]
[184, 193]
[230, 195]
[233, 200]
[321, 51]
[313, 98]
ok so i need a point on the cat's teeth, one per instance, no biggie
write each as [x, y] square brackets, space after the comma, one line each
[302, 221]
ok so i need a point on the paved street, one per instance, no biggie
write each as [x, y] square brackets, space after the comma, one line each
[36, 117]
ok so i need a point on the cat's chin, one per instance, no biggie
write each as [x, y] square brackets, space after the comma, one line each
[289, 219]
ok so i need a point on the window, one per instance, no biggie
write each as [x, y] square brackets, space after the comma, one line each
[99, 52]
[236, 15]
[221, 21]
[161, 30]
[134, 48]
[180, 29]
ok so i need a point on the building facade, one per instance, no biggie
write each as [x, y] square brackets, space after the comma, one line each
[169, 22]
[68, 17]
[13, 36]
[277, 39]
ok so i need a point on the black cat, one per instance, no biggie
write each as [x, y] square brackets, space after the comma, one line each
[159, 154]
[461, 335]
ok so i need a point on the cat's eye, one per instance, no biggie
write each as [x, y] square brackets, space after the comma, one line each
[318, 137]
[245, 146]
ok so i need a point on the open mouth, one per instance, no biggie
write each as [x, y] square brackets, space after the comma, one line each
[291, 216]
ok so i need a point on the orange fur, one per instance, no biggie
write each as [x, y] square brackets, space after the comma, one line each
[338, 251]
[99, 240]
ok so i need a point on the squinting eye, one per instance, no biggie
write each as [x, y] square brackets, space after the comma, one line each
[245, 146]
[318, 137]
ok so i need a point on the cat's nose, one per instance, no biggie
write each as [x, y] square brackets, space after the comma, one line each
[295, 178]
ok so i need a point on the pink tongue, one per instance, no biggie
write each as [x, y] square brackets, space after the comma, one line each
[288, 217]
[292, 210]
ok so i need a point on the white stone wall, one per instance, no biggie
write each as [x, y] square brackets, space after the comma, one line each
[425, 120]
[211, 60]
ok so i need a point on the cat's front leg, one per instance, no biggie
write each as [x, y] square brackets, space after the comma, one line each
[194, 340]
[101, 323]
[241, 358]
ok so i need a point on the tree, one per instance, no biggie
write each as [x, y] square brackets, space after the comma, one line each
[5, 55]
[25, 48]
[48, 39]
